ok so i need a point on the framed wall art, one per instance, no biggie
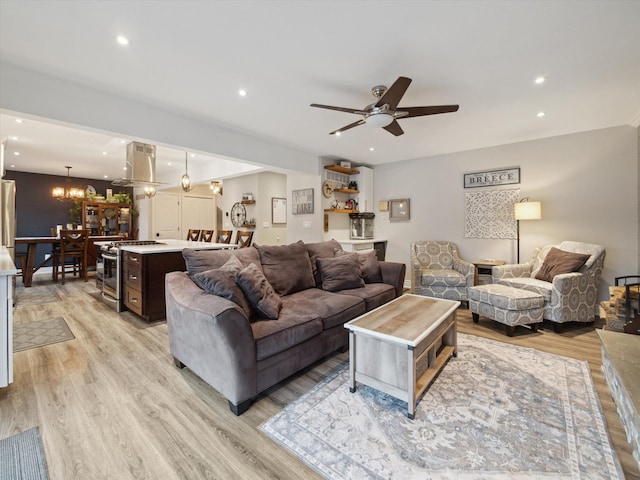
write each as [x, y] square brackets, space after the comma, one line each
[489, 178]
[278, 210]
[302, 201]
[399, 209]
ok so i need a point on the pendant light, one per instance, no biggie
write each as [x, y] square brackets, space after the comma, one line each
[67, 193]
[186, 181]
[216, 187]
[149, 191]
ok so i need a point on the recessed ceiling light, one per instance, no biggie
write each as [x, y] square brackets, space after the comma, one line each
[123, 141]
[337, 134]
[124, 168]
[13, 138]
[541, 114]
[122, 40]
[106, 176]
[17, 154]
[19, 120]
[371, 149]
[12, 166]
[169, 164]
[104, 153]
[540, 80]
[193, 155]
[242, 92]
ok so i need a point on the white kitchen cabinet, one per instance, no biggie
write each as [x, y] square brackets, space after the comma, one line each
[7, 272]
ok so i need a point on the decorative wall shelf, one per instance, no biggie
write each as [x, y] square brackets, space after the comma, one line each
[339, 169]
[339, 210]
[248, 225]
[248, 202]
[345, 190]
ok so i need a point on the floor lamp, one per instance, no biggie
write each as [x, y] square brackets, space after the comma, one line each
[524, 210]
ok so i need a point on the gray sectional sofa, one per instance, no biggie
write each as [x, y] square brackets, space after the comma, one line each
[244, 324]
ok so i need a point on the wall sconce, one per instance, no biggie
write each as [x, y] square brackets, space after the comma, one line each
[525, 210]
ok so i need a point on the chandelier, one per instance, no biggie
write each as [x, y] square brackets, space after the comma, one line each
[216, 187]
[68, 193]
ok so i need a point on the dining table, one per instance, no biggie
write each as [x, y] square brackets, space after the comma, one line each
[32, 246]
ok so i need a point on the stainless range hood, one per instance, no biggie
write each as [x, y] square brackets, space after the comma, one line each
[141, 166]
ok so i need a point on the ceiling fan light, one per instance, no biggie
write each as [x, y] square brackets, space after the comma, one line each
[379, 120]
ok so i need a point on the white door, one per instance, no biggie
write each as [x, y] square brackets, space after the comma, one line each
[166, 216]
[198, 213]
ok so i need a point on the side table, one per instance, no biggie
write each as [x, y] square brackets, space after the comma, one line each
[483, 271]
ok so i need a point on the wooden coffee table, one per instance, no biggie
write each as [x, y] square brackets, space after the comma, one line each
[400, 347]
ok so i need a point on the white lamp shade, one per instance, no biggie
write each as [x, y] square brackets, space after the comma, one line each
[379, 120]
[528, 210]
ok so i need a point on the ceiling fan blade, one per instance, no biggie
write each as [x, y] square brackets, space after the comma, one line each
[339, 109]
[394, 127]
[395, 92]
[433, 110]
[351, 125]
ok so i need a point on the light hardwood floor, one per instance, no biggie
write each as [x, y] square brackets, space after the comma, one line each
[111, 405]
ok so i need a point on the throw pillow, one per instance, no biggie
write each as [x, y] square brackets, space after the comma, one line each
[263, 300]
[287, 267]
[222, 282]
[558, 261]
[369, 265]
[340, 273]
[321, 250]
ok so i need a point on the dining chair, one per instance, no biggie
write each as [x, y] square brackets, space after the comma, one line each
[224, 236]
[73, 245]
[193, 235]
[206, 236]
[243, 239]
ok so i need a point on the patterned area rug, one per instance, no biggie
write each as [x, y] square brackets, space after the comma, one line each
[40, 333]
[22, 456]
[496, 411]
[36, 295]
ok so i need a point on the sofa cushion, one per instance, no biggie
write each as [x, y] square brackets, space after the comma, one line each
[201, 260]
[321, 250]
[373, 294]
[259, 292]
[369, 265]
[339, 273]
[290, 329]
[287, 267]
[530, 284]
[434, 254]
[443, 278]
[558, 262]
[332, 308]
[222, 282]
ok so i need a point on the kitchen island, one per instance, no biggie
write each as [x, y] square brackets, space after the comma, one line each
[357, 245]
[143, 268]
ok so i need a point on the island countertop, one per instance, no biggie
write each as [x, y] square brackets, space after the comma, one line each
[166, 245]
[362, 241]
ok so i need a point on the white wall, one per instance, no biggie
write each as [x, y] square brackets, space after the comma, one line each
[587, 183]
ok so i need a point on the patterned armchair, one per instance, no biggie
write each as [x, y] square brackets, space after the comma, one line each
[570, 297]
[438, 271]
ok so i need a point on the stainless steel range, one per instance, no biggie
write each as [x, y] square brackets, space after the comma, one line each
[109, 270]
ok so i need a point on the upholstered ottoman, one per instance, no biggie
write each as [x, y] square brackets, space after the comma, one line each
[507, 305]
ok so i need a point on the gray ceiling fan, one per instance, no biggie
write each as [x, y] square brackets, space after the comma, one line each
[385, 112]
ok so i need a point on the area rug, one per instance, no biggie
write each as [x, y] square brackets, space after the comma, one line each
[496, 411]
[22, 457]
[40, 333]
[36, 295]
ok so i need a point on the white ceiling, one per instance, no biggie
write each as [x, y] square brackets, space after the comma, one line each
[193, 56]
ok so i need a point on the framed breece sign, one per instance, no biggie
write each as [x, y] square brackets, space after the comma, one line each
[491, 178]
